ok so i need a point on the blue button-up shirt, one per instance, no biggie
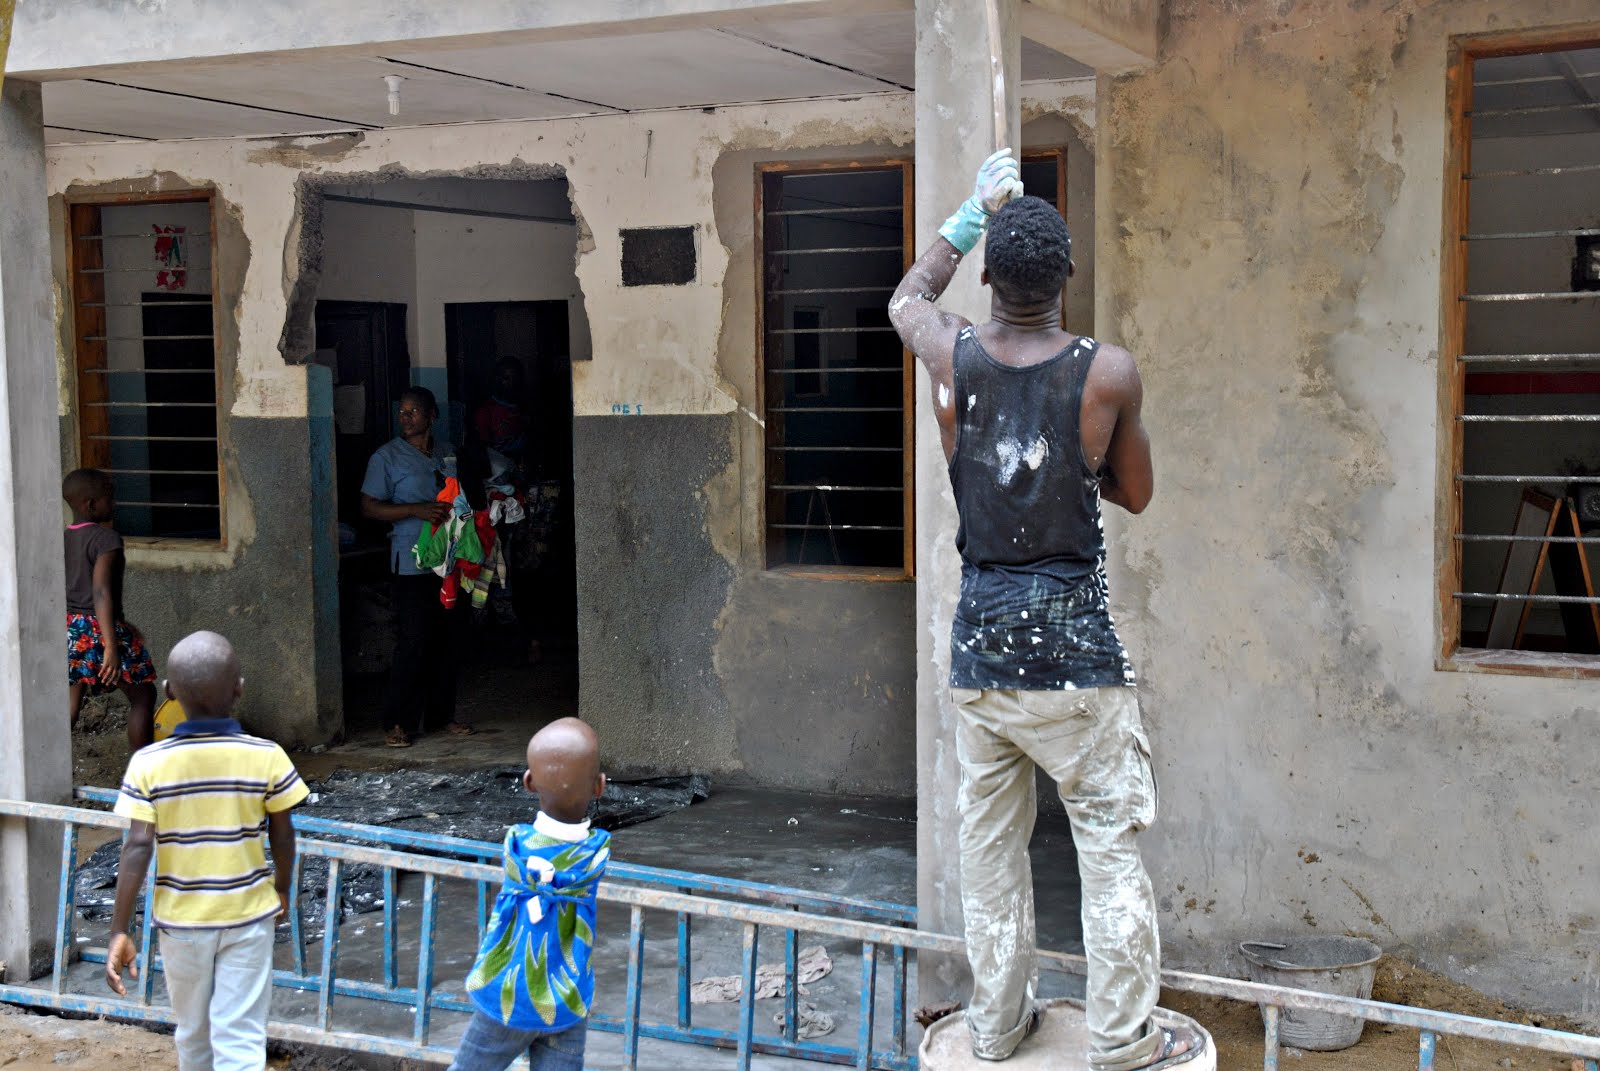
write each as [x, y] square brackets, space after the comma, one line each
[400, 473]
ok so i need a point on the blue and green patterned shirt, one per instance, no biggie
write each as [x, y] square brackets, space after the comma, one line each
[533, 970]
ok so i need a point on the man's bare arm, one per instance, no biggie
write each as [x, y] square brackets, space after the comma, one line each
[927, 330]
[1128, 477]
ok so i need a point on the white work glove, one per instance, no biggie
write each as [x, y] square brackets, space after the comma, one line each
[999, 181]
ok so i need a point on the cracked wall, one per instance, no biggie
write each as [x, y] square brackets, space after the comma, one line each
[1270, 227]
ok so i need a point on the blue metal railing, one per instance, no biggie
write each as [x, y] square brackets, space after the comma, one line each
[479, 862]
[873, 925]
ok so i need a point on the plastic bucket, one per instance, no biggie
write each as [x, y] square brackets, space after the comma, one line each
[1343, 966]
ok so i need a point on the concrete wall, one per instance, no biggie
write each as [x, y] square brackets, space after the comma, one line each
[1270, 228]
[693, 656]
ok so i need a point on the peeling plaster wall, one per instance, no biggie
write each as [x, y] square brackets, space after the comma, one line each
[1270, 227]
[692, 655]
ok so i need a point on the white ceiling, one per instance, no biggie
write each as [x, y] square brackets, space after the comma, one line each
[306, 93]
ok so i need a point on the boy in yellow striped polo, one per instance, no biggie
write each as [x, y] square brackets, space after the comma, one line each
[202, 798]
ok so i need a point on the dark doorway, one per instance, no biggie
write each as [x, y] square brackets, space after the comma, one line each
[535, 334]
[369, 341]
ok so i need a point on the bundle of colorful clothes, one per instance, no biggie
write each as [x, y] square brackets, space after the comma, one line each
[463, 549]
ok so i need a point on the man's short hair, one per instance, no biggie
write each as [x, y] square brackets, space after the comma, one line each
[1028, 251]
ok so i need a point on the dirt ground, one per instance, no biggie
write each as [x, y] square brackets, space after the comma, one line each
[33, 1042]
[1237, 1030]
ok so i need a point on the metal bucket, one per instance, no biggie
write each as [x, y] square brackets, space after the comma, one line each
[1343, 966]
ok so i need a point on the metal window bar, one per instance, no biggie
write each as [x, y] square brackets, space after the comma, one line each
[150, 405]
[831, 487]
[1488, 596]
[161, 472]
[832, 290]
[835, 409]
[1573, 232]
[150, 234]
[201, 270]
[832, 370]
[1530, 79]
[172, 505]
[140, 304]
[839, 527]
[1463, 477]
[1476, 538]
[1529, 418]
[839, 449]
[837, 211]
[155, 438]
[829, 330]
[1526, 358]
[1551, 295]
[1566, 169]
[836, 249]
[1534, 109]
[871, 935]
[152, 371]
[145, 338]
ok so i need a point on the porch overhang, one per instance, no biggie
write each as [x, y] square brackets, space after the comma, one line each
[1108, 35]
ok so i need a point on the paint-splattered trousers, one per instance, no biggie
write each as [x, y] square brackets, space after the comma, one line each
[1091, 743]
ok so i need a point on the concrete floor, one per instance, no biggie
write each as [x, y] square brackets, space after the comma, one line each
[860, 848]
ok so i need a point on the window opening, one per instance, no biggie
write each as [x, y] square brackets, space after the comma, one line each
[146, 361]
[836, 379]
[1521, 325]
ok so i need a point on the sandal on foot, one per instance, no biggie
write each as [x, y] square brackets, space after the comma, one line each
[1171, 1038]
[458, 728]
[396, 737]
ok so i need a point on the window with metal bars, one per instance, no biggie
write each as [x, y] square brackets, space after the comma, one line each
[836, 380]
[1521, 331]
[146, 360]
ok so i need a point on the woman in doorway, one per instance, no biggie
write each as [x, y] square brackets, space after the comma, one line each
[403, 478]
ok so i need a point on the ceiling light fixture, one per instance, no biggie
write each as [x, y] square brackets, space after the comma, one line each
[393, 82]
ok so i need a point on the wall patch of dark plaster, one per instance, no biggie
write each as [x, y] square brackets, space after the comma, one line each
[650, 588]
[658, 256]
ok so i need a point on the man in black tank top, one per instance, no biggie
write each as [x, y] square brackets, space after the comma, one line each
[1040, 426]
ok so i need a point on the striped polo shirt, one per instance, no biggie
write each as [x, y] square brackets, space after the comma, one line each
[208, 789]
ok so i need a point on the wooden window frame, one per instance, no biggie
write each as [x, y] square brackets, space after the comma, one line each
[1452, 371]
[83, 217]
[908, 498]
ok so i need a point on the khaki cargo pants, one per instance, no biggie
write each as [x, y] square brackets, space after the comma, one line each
[1091, 743]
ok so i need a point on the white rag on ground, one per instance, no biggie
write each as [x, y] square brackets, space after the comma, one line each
[813, 963]
[813, 1023]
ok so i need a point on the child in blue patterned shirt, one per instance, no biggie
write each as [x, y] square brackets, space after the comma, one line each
[532, 984]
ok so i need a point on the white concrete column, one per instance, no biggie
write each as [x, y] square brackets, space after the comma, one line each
[35, 743]
[954, 135]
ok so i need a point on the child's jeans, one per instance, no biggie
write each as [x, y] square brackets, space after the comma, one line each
[220, 982]
[491, 1046]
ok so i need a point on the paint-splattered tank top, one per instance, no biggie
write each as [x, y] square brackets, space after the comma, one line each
[1034, 612]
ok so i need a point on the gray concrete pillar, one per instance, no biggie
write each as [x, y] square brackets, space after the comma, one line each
[954, 134]
[35, 745]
